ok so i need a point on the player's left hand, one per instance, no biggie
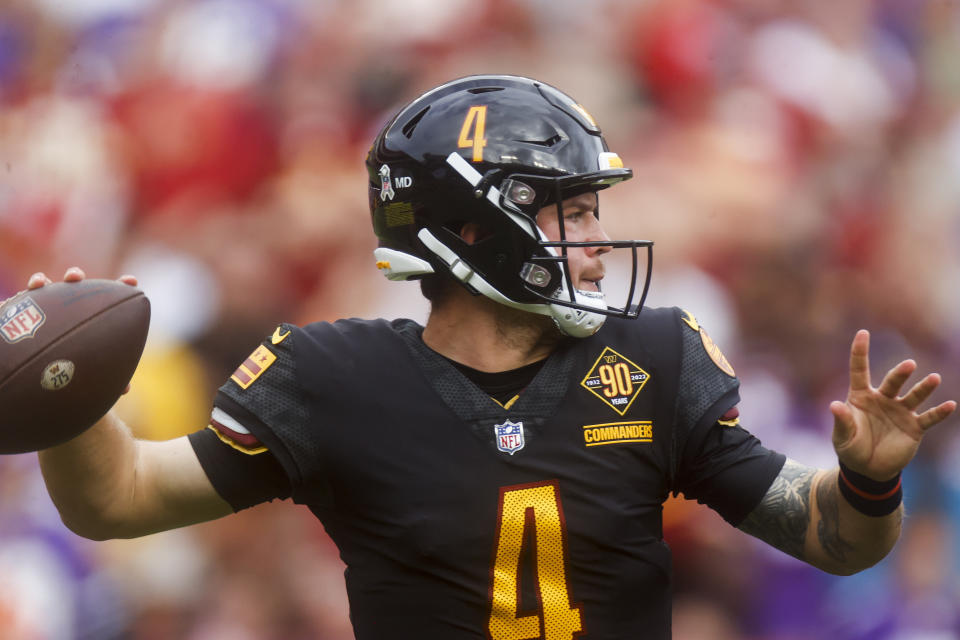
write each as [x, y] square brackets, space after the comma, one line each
[876, 432]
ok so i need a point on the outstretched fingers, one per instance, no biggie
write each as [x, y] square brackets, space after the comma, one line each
[939, 413]
[918, 394]
[921, 391]
[860, 361]
[896, 377]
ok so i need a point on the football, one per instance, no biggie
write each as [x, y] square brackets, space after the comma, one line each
[67, 352]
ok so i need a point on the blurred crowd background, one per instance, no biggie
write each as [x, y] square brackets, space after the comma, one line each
[796, 163]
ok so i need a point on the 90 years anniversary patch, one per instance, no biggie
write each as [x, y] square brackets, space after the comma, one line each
[615, 380]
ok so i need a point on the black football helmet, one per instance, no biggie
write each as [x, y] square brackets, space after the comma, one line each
[494, 150]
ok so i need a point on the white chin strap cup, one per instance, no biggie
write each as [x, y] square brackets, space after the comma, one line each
[578, 323]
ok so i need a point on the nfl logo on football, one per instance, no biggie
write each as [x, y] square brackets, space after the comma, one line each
[21, 320]
[509, 436]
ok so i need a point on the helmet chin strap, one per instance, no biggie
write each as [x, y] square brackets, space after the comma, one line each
[572, 322]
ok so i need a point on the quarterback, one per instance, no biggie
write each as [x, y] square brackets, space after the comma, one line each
[506, 480]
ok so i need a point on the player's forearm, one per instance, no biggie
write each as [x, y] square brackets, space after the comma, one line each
[91, 477]
[841, 539]
[804, 514]
[107, 484]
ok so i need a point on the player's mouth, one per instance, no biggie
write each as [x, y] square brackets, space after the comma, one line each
[590, 285]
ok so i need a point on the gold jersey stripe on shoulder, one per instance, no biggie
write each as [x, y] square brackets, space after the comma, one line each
[253, 367]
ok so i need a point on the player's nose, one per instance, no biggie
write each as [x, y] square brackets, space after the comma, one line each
[597, 233]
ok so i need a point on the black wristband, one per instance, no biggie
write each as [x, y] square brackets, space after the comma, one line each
[869, 496]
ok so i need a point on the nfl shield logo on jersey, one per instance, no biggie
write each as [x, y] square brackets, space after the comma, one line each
[509, 436]
[21, 320]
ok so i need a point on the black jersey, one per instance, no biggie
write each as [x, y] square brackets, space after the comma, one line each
[458, 517]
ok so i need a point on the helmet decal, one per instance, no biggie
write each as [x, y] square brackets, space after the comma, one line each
[609, 160]
[477, 120]
[386, 184]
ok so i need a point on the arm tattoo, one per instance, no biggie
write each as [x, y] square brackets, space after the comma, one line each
[782, 516]
[828, 529]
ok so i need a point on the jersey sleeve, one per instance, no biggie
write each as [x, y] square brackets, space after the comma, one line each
[263, 399]
[728, 469]
[242, 479]
[720, 464]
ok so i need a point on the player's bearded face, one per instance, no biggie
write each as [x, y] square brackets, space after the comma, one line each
[580, 224]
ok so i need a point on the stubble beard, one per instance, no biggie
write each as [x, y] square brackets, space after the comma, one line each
[520, 329]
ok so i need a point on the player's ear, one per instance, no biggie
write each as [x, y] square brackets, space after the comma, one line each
[471, 232]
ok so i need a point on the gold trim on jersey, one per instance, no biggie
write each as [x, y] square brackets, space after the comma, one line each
[236, 445]
[512, 401]
[691, 321]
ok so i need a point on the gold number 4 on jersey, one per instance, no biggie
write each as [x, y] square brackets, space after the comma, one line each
[557, 617]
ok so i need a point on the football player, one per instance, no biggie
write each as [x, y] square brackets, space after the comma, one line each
[500, 472]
